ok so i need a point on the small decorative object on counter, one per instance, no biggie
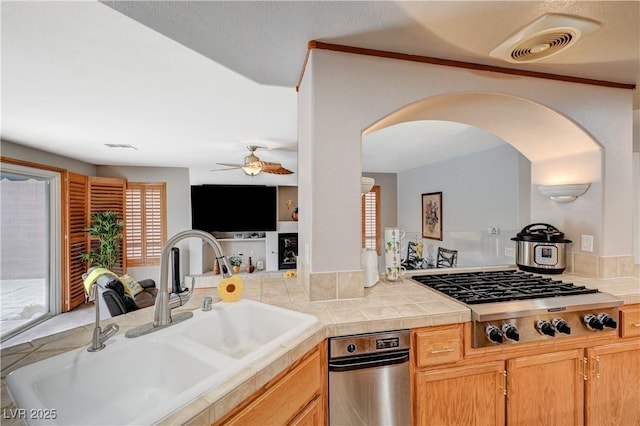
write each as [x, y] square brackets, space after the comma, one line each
[216, 267]
[230, 288]
[236, 262]
[392, 263]
[291, 205]
[250, 267]
[291, 273]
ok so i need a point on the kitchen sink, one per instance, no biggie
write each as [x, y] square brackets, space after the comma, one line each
[246, 329]
[142, 380]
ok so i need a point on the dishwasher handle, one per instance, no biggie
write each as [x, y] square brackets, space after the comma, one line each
[368, 361]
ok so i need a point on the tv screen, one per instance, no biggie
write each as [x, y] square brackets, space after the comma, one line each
[233, 208]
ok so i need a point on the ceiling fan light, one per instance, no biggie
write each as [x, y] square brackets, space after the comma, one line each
[252, 169]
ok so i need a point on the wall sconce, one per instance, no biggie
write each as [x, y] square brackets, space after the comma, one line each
[366, 184]
[563, 193]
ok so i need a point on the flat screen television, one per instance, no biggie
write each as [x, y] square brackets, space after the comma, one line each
[233, 208]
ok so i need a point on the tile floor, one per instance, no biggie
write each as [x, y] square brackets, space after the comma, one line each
[82, 315]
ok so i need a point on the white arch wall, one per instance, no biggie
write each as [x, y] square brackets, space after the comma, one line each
[560, 151]
[342, 94]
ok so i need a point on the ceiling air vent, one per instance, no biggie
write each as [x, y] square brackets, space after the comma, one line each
[121, 146]
[546, 36]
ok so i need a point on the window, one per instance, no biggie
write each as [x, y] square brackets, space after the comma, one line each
[146, 229]
[31, 279]
[371, 219]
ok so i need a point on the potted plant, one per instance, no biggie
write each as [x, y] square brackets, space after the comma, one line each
[236, 262]
[107, 228]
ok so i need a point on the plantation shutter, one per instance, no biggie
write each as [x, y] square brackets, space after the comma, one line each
[145, 222]
[108, 194]
[371, 219]
[73, 293]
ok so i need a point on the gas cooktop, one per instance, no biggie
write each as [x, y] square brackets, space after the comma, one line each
[512, 306]
[499, 286]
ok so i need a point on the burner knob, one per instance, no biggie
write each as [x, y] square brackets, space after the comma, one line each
[561, 326]
[494, 334]
[592, 322]
[511, 332]
[607, 320]
[545, 327]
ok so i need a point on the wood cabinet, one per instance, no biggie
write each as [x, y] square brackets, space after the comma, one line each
[295, 397]
[613, 385]
[546, 389]
[438, 346]
[592, 380]
[311, 415]
[470, 395]
[630, 321]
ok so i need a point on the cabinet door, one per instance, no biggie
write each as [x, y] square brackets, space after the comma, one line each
[613, 387]
[472, 395]
[286, 398]
[312, 415]
[546, 389]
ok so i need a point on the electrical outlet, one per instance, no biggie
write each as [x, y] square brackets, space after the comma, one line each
[509, 252]
[493, 230]
[586, 243]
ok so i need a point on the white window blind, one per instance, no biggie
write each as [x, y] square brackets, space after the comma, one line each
[145, 222]
[371, 219]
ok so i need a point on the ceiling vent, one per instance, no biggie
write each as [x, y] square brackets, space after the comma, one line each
[121, 146]
[546, 36]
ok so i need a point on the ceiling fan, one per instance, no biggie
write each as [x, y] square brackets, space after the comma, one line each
[253, 165]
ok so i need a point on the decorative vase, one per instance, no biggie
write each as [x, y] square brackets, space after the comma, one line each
[250, 267]
[294, 214]
[235, 269]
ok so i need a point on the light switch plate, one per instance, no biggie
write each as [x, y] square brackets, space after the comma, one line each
[586, 243]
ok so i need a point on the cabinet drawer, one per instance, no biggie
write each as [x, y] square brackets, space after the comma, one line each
[438, 346]
[630, 322]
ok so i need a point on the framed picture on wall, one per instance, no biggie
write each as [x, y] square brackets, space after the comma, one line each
[432, 215]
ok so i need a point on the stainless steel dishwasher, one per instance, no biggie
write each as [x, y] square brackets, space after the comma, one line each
[369, 379]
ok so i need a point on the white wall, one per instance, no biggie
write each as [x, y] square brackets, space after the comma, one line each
[480, 190]
[343, 94]
[21, 152]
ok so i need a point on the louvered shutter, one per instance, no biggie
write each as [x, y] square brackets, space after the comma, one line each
[146, 224]
[73, 293]
[371, 219]
[108, 194]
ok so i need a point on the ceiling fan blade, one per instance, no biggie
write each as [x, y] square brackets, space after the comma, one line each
[232, 165]
[280, 171]
[274, 168]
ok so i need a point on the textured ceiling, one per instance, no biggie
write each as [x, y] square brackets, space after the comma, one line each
[191, 83]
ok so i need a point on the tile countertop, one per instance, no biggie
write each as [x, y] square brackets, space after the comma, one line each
[385, 306]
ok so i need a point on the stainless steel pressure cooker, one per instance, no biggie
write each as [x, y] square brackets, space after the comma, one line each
[541, 248]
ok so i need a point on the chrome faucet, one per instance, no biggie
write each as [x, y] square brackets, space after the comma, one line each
[99, 336]
[164, 301]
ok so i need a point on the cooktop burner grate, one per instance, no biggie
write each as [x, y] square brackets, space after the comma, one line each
[499, 286]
